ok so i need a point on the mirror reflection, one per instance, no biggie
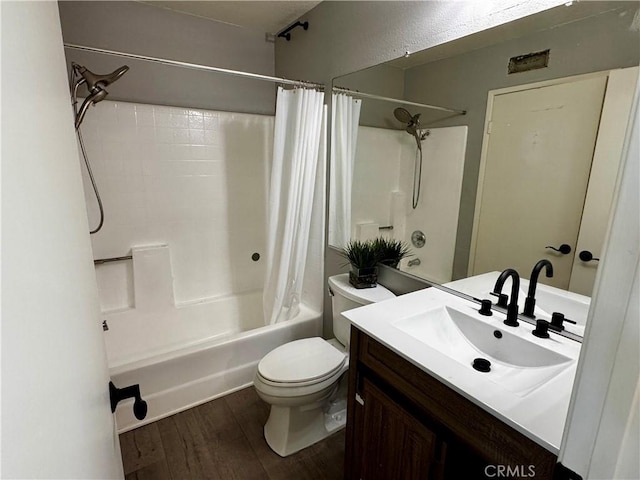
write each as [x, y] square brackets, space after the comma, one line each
[528, 172]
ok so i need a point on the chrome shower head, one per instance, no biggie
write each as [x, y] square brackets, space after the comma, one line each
[94, 81]
[412, 124]
[412, 121]
[402, 115]
[95, 84]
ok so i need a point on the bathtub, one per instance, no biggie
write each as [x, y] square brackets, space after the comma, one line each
[195, 352]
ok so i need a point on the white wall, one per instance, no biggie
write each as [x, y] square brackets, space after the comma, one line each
[383, 187]
[376, 174]
[605, 387]
[436, 214]
[56, 420]
[619, 428]
[193, 179]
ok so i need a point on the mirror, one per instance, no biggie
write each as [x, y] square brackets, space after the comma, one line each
[486, 187]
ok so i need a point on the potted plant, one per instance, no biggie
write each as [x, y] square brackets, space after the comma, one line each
[390, 251]
[363, 259]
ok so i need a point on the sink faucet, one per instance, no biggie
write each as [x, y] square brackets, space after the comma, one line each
[512, 308]
[530, 301]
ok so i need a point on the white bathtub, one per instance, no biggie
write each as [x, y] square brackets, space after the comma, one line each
[188, 355]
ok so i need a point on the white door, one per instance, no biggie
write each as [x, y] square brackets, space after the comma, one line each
[540, 144]
[56, 418]
[602, 181]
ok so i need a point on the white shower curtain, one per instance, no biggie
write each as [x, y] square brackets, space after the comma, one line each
[298, 136]
[344, 136]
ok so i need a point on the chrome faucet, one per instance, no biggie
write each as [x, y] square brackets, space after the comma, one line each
[512, 308]
[530, 301]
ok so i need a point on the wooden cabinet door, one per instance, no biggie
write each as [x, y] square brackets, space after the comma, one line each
[395, 445]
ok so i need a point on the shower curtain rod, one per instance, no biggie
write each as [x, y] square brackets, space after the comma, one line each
[196, 66]
[396, 100]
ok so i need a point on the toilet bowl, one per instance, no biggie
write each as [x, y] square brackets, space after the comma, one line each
[304, 381]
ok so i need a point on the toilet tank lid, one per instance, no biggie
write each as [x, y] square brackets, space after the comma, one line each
[340, 284]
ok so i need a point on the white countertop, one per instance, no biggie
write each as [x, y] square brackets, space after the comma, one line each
[540, 415]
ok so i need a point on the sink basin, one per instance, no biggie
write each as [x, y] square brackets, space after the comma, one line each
[575, 309]
[548, 299]
[517, 364]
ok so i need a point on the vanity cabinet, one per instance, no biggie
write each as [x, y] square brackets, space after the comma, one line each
[404, 424]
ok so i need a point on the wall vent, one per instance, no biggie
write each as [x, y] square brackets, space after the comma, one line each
[530, 61]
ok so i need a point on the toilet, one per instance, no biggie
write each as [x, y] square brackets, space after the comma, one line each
[304, 381]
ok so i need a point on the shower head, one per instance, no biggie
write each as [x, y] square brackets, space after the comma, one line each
[94, 81]
[412, 121]
[95, 84]
[412, 124]
[402, 115]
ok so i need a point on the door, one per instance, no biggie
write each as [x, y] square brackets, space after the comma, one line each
[56, 417]
[540, 144]
[394, 443]
[604, 172]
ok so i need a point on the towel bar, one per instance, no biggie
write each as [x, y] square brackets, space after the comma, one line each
[100, 261]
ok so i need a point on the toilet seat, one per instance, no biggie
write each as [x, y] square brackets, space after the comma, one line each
[301, 363]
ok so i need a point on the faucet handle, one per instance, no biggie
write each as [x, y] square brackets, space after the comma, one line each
[542, 329]
[485, 308]
[502, 299]
[557, 319]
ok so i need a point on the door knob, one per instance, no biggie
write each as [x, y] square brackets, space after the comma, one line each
[587, 256]
[563, 249]
[133, 391]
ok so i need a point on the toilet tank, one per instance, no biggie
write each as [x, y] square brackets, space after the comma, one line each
[346, 297]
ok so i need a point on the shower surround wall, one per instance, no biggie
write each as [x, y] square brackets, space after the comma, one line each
[185, 191]
[193, 179]
[382, 188]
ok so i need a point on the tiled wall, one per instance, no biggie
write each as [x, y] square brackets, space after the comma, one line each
[193, 179]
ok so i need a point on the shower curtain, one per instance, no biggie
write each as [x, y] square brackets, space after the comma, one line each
[344, 136]
[298, 136]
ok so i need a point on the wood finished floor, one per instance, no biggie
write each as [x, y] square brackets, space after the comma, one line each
[223, 439]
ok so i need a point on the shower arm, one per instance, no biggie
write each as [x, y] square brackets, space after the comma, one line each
[99, 94]
[74, 90]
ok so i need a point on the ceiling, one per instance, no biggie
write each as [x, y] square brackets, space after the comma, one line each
[266, 16]
[547, 19]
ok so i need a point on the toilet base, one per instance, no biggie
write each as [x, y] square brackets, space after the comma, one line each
[290, 429]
